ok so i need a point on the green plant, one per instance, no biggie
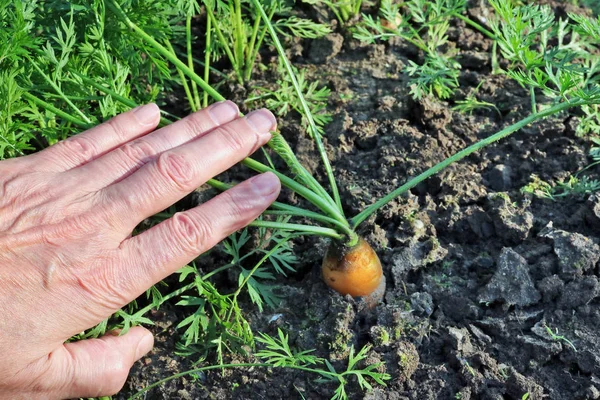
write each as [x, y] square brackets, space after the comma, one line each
[277, 353]
[344, 10]
[234, 29]
[425, 25]
[471, 103]
[283, 98]
[555, 336]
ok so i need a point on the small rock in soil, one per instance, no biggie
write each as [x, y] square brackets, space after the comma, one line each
[460, 341]
[421, 303]
[325, 48]
[589, 393]
[576, 253]
[432, 114]
[579, 292]
[588, 362]
[415, 256]
[511, 282]
[478, 333]
[479, 222]
[540, 350]
[500, 178]
[594, 205]
[550, 287]
[511, 223]
[517, 385]
[460, 308]
[408, 360]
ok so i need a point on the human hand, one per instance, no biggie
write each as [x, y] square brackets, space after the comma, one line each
[67, 258]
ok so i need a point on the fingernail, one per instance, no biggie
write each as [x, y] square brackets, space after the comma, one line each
[263, 121]
[144, 346]
[146, 114]
[223, 111]
[265, 184]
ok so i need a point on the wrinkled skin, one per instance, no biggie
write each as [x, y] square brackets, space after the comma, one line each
[67, 257]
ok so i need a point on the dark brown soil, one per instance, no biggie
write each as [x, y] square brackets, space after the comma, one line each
[476, 270]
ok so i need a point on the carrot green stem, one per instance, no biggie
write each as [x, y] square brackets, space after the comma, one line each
[475, 25]
[224, 42]
[190, 59]
[354, 222]
[286, 209]
[184, 82]
[74, 120]
[303, 191]
[60, 92]
[163, 51]
[307, 112]
[207, 51]
[165, 298]
[124, 100]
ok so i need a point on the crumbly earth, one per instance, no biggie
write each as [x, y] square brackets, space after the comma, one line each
[477, 272]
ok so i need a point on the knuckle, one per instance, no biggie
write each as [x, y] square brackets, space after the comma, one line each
[117, 126]
[177, 169]
[196, 123]
[78, 148]
[192, 233]
[137, 152]
[234, 137]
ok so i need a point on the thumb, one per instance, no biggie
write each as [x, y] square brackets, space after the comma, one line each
[97, 367]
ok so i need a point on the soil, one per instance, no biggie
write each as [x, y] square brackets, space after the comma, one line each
[476, 270]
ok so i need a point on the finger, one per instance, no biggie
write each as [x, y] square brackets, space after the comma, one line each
[91, 144]
[177, 172]
[131, 156]
[96, 367]
[161, 250]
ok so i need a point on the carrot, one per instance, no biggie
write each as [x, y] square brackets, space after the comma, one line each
[354, 271]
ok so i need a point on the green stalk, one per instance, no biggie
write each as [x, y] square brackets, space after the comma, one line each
[190, 59]
[421, 45]
[533, 102]
[115, 95]
[74, 120]
[165, 298]
[255, 46]
[207, 56]
[232, 59]
[212, 69]
[315, 216]
[308, 114]
[186, 87]
[239, 37]
[344, 13]
[305, 229]
[286, 209]
[475, 25]
[163, 51]
[354, 222]
[60, 92]
[303, 191]
[357, 5]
